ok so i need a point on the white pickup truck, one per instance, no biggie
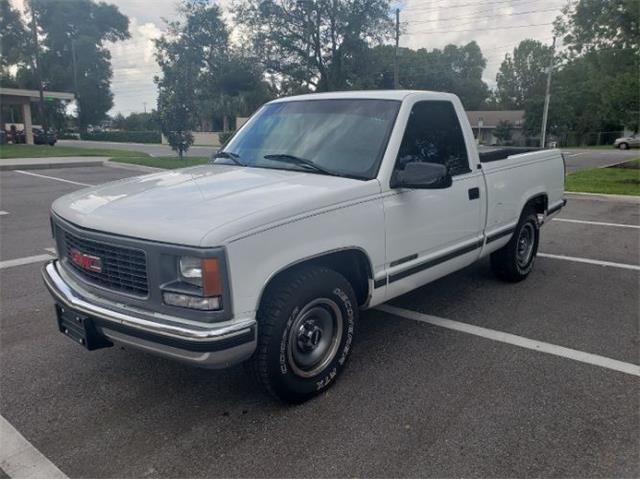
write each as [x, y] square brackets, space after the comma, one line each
[320, 206]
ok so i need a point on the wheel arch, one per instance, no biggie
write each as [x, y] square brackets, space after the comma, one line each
[351, 262]
[539, 201]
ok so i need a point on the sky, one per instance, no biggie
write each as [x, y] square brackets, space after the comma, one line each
[496, 25]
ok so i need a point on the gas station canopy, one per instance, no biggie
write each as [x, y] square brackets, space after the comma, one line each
[19, 96]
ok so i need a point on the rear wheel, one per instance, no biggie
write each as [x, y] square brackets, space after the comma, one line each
[515, 260]
[306, 325]
[623, 146]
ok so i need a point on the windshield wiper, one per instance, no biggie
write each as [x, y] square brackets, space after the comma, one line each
[234, 157]
[303, 162]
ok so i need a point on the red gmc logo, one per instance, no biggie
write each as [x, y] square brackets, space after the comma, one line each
[88, 262]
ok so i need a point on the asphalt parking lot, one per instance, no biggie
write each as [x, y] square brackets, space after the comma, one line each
[537, 379]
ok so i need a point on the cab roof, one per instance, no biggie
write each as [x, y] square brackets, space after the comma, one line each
[398, 95]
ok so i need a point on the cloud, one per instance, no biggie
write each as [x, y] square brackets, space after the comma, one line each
[496, 25]
[134, 67]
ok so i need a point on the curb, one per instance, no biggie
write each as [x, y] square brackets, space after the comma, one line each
[45, 166]
[606, 196]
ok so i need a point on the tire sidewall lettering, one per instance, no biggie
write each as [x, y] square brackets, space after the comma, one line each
[329, 374]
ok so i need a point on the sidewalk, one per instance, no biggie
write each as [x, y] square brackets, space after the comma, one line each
[49, 162]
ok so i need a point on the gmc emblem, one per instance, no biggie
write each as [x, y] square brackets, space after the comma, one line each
[88, 262]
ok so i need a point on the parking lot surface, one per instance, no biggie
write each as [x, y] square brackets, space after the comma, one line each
[583, 159]
[417, 399]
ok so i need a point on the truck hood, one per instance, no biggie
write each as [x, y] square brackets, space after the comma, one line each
[205, 205]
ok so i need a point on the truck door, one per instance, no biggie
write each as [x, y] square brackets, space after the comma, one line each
[432, 232]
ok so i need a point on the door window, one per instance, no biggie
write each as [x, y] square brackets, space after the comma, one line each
[434, 135]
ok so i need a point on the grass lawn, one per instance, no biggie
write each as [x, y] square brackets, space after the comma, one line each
[163, 162]
[616, 180]
[39, 151]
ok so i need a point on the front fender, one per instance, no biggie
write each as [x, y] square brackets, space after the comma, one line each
[255, 259]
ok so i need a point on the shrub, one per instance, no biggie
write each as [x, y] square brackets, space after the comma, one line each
[68, 136]
[124, 136]
[224, 137]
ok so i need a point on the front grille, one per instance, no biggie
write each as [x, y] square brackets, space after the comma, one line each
[123, 269]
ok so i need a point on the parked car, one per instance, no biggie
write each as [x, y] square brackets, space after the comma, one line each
[632, 141]
[320, 206]
[41, 137]
[16, 136]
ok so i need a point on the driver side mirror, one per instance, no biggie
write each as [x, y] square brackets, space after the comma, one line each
[421, 175]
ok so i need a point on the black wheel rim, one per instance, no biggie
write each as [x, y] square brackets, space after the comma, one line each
[314, 337]
[524, 248]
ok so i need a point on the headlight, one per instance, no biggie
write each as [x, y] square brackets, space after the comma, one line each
[191, 269]
[201, 272]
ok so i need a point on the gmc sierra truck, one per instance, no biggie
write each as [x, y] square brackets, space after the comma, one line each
[320, 206]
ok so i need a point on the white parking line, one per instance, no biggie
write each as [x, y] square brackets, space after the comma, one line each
[2, 212]
[588, 222]
[54, 178]
[601, 263]
[577, 355]
[20, 459]
[16, 262]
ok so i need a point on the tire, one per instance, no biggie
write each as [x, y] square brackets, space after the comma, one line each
[623, 146]
[515, 260]
[306, 326]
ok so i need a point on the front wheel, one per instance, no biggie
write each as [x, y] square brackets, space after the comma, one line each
[306, 325]
[514, 261]
[623, 146]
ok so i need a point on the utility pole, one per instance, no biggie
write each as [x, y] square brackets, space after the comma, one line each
[144, 104]
[74, 61]
[36, 64]
[547, 97]
[396, 80]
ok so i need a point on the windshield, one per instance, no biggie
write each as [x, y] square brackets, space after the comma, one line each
[344, 137]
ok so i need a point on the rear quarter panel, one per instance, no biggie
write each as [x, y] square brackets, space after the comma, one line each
[512, 182]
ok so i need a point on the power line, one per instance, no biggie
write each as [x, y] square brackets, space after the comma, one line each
[481, 29]
[448, 7]
[486, 16]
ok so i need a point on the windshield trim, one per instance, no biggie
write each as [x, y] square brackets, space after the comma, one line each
[379, 156]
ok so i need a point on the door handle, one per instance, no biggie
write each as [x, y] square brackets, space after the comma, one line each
[474, 193]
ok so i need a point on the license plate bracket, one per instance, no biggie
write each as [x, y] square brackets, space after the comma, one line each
[80, 328]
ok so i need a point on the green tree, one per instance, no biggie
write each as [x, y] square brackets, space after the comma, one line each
[596, 87]
[215, 80]
[137, 122]
[599, 24]
[15, 39]
[455, 69]
[86, 26]
[309, 44]
[522, 76]
[177, 116]
[503, 132]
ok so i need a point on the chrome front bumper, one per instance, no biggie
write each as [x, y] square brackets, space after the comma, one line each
[206, 345]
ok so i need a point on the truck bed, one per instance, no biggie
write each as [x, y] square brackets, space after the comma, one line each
[491, 154]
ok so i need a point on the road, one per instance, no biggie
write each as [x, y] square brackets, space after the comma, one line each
[583, 159]
[576, 159]
[419, 398]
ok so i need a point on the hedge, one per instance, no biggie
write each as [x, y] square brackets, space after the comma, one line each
[225, 136]
[124, 136]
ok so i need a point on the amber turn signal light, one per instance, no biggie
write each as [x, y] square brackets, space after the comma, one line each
[211, 277]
